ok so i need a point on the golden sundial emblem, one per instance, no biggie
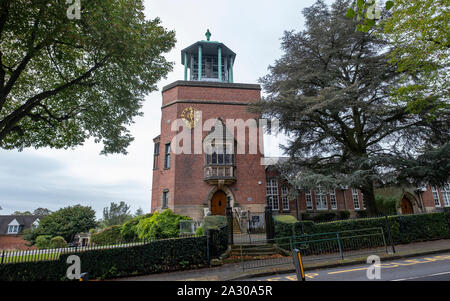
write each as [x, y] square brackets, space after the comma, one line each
[191, 117]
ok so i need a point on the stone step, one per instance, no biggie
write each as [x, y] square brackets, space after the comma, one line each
[253, 250]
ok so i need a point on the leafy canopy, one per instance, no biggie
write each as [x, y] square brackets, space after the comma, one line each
[331, 92]
[116, 214]
[63, 81]
[66, 222]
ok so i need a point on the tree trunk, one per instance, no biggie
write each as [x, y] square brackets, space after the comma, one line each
[369, 199]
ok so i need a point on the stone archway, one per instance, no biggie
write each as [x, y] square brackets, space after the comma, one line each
[409, 204]
[212, 193]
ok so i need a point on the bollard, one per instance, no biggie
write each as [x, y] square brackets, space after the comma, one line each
[298, 263]
[84, 277]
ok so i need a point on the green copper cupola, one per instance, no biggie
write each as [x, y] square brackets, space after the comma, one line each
[208, 61]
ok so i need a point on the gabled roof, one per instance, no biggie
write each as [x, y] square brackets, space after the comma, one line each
[24, 220]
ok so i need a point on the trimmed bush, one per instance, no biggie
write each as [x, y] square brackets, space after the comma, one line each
[404, 228]
[108, 236]
[154, 257]
[58, 242]
[345, 214]
[43, 241]
[199, 231]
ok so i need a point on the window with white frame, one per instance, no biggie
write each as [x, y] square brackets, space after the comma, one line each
[355, 198]
[284, 198]
[446, 194]
[321, 199]
[309, 203]
[437, 201]
[13, 227]
[272, 194]
[333, 201]
[165, 199]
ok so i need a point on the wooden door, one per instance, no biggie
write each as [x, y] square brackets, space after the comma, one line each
[406, 206]
[219, 203]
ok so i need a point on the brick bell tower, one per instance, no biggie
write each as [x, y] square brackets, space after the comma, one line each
[219, 165]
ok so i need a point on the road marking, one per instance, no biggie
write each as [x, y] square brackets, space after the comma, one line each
[397, 264]
[345, 271]
[437, 274]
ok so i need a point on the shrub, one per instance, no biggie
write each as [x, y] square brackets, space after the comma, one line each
[108, 236]
[324, 217]
[58, 242]
[160, 226]
[404, 228]
[154, 257]
[199, 231]
[43, 241]
[386, 204]
[129, 231]
[289, 219]
[345, 214]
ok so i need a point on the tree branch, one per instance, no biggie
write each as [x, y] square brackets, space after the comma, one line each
[11, 120]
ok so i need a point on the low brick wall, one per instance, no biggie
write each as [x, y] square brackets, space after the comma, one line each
[14, 242]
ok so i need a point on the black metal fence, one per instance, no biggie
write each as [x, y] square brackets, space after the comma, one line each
[313, 247]
[18, 256]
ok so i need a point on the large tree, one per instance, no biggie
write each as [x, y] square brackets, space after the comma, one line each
[331, 93]
[116, 214]
[66, 222]
[64, 80]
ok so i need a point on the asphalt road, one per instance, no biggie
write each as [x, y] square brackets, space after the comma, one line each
[424, 268]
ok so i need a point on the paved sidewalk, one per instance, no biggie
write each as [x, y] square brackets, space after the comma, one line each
[234, 271]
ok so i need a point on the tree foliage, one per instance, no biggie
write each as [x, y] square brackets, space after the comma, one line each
[66, 222]
[64, 80]
[160, 225]
[331, 93]
[38, 211]
[418, 30]
[116, 214]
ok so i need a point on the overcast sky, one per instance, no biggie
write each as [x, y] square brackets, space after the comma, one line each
[58, 178]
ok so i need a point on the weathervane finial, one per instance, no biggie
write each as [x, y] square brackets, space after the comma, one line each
[208, 35]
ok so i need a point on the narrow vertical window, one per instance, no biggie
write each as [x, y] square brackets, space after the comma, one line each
[284, 198]
[333, 201]
[167, 156]
[272, 194]
[156, 156]
[309, 203]
[165, 199]
[446, 194]
[321, 199]
[437, 201]
[355, 198]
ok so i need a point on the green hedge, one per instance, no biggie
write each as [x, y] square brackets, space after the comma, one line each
[404, 228]
[154, 257]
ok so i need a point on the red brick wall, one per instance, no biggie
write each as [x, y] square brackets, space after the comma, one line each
[185, 177]
[13, 242]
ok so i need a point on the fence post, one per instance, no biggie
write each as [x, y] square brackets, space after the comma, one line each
[340, 245]
[207, 247]
[229, 214]
[3, 255]
[269, 223]
[388, 224]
